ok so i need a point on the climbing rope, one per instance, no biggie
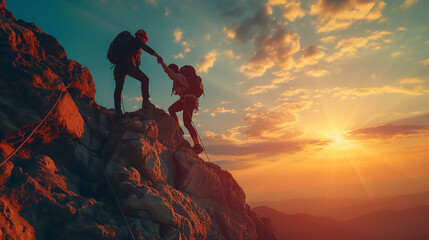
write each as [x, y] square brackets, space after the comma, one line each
[217, 177]
[123, 106]
[119, 204]
[37, 127]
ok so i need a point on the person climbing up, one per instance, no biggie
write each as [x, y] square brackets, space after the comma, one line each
[124, 52]
[187, 84]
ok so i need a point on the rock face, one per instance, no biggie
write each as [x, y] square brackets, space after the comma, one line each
[69, 179]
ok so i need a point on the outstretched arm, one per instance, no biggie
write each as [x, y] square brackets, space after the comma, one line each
[164, 66]
[158, 58]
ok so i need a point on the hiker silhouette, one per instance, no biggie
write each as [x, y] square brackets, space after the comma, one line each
[124, 52]
[187, 84]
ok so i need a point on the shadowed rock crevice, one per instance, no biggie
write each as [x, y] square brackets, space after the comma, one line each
[57, 185]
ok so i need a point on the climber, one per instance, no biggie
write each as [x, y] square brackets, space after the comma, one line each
[124, 52]
[184, 81]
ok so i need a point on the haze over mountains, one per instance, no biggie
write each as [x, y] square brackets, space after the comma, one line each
[409, 224]
[343, 209]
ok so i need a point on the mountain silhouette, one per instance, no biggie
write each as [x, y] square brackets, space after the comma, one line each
[395, 225]
[344, 209]
[70, 169]
[306, 227]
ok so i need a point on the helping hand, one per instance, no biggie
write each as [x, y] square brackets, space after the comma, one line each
[159, 59]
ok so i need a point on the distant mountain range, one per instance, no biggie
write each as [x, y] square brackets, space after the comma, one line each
[306, 227]
[344, 209]
[408, 224]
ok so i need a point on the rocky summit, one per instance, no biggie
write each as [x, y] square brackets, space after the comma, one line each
[77, 172]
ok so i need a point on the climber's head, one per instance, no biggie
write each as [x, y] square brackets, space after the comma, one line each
[174, 68]
[142, 35]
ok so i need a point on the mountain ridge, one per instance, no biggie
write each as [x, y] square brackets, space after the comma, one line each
[343, 209]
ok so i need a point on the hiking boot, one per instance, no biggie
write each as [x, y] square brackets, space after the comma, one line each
[197, 148]
[118, 113]
[147, 104]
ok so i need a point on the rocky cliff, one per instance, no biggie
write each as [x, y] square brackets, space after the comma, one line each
[82, 168]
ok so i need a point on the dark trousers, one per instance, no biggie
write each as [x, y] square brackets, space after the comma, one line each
[119, 74]
[187, 106]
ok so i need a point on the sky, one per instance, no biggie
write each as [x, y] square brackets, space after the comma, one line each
[312, 98]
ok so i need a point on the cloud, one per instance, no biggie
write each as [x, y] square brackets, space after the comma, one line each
[186, 46]
[408, 3]
[224, 102]
[273, 122]
[231, 54]
[388, 131]
[395, 54]
[412, 80]
[402, 29]
[264, 149]
[310, 56]
[424, 62]
[207, 62]
[291, 9]
[317, 72]
[260, 89]
[348, 47]
[166, 11]
[293, 92]
[254, 107]
[341, 14]
[180, 55]
[207, 37]
[178, 33]
[222, 110]
[273, 44]
[328, 39]
[414, 90]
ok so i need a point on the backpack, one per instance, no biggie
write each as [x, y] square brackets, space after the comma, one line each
[195, 82]
[119, 48]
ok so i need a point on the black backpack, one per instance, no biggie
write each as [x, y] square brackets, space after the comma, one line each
[195, 82]
[120, 47]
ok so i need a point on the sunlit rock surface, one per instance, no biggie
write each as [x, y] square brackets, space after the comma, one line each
[55, 186]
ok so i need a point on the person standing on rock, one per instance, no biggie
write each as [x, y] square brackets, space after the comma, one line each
[124, 52]
[188, 102]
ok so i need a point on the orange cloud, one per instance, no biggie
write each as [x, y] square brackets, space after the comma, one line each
[293, 92]
[412, 80]
[413, 90]
[178, 33]
[317, 72]
[408, 3]
[348, 47]
[424, 62]
[272, 50]
[389, 131]
[231, 54]
[254, 107]
[291, 9]
[273, 44]
[340, 14]
[310, 56]
[260, 89]
[395, 54]
[207, 62]
[273, 122]
[222, 110]
[328, 39]
[265, 148]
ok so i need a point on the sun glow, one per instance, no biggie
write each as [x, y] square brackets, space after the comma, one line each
[339, 142]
